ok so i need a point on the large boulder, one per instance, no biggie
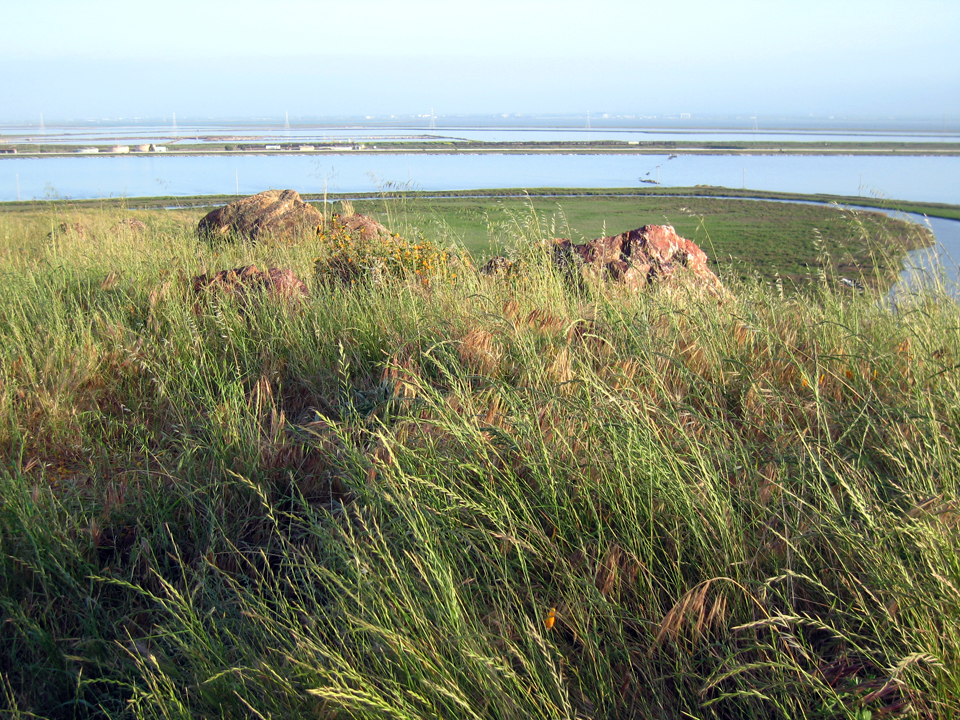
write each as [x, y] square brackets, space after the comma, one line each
[637, 258]
[279, 214]
[282, 215]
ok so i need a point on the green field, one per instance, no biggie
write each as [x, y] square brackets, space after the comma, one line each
[765, 239]
[448, 495]
[747, 238]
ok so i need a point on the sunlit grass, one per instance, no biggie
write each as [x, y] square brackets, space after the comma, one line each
[466, 497]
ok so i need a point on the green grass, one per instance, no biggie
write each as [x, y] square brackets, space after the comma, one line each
[366, 505]
[790, 241]
[768, 239]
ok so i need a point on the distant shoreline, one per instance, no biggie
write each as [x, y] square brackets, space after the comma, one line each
[941, 210]
[452, 147]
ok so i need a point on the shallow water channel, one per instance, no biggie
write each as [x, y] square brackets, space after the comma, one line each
[937, 266]
[932, 267]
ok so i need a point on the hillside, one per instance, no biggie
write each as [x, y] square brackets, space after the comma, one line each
[443, 494]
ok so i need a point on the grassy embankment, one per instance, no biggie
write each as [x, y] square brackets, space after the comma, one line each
[467, 497]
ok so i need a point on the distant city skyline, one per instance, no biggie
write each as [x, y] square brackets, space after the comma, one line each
[214, 59]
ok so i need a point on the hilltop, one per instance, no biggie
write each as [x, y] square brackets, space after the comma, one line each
[444, 494]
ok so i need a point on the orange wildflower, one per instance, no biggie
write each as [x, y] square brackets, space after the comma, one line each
[551, 618]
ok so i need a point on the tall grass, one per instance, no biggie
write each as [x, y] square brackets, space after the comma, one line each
[369, 504]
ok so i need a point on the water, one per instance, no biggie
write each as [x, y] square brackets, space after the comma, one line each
[933, 267]
[923, 179]
[937, 266]
[233, 135]
[499, 129]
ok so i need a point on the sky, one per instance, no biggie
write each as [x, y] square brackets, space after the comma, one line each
[98, 59]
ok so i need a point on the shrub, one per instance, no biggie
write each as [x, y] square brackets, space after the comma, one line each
[355, 259]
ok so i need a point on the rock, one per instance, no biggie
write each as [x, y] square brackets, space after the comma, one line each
[131, 225]
[498, 265]
[241, 282]
[67, 228]
[356, 225]
[282, 215]
[279, 214]
[637, 258]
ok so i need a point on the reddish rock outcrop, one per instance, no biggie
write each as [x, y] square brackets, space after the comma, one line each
[279, 214]
[637, 258]
[242, 282]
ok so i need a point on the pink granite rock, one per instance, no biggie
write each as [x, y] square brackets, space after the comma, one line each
[637, 258]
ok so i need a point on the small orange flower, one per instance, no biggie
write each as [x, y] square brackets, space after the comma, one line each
[551, 618]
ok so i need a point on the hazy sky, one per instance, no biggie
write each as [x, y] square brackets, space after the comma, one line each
[107, 59]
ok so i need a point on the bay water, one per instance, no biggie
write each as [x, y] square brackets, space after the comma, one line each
[918, 178]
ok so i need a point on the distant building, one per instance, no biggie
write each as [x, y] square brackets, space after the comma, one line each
[306, 148]
[158, 148]
[122, 149]
[88, 151]
[142, 148]
[271, 147]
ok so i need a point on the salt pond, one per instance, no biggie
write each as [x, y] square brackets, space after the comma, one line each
[924, 179]
[568, 129]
